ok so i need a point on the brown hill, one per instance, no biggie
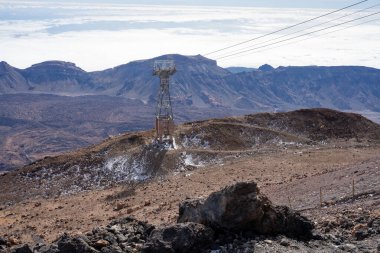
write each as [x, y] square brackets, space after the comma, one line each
[134, 156]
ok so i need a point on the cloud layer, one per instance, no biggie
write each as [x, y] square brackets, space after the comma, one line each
[99, 36]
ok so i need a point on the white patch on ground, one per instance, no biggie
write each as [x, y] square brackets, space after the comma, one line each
[195, 141]
[286, 143]
[190, 161]
[174, 144]
[138, 172]
[117, 164]
[124, 169]
[197, 161]
[63, 180]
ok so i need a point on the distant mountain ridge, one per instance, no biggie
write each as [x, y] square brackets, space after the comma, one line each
[200, 82]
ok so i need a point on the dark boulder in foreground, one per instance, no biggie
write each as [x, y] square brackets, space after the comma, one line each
[241, 207]
[183, 237]
[202, 225]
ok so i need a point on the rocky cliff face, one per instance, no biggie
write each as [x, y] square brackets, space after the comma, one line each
[57, 77]
[11, 79]
[345, 88]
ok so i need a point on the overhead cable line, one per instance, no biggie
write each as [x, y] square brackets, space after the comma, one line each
[299, 36]
[299, 31]
[316, 36]
[286, 28]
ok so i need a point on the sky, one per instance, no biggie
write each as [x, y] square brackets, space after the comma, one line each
[98, 34]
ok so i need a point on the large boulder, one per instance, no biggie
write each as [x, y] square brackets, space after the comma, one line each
[241, 207]
[179, 238]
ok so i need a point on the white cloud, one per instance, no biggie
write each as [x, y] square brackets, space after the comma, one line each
[101, 36]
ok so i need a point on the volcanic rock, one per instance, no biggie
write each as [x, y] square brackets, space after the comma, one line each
[3, 241]
[184, 237]
[360, 231]
[101, 243]
[241, 207]
[22, 249]
[13, 241]
[67, 244]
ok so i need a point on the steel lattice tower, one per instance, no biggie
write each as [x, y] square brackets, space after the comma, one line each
[164, 113]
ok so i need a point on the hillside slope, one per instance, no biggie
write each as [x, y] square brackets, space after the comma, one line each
[39, 125]
[305, 159]
[135, 157]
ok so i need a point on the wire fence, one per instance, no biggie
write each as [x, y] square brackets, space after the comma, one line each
[347, 189]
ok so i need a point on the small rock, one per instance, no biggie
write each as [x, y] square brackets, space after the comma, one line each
[284, 242]
[248, 250]
[139, 246]
[360, 232]
[268, 241]
[347, 247]
[147, 203]
[13, 241]
[101, 244]
[121, 238]
[37, 204]
[119, 206]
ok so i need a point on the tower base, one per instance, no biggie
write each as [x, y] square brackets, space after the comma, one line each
[164, 129]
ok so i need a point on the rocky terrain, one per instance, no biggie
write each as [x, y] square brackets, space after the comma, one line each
[64, 107]
[322, 163]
